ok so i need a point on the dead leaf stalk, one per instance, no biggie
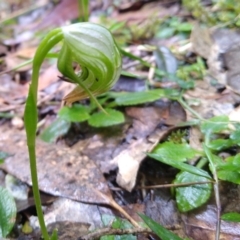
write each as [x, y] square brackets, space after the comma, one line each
[110, 231]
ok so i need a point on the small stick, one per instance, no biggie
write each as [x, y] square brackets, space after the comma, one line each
[110, 231]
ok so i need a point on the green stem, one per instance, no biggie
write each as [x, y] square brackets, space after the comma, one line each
[83, 6]
[216, 186]
[186, 106]
[202, 162]
[31, 118]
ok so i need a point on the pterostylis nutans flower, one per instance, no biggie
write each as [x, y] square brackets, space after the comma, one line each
[93, 48]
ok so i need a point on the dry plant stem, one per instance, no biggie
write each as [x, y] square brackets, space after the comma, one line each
[124, 213]
[110, 231]
[113, 204]
[18, 67]
[24, 11]
[166, 185]
[27, 62]
[175, 185]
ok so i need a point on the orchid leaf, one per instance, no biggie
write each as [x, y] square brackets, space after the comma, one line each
[76, 113]
[101, 119]
[56, 129]
[133, 98]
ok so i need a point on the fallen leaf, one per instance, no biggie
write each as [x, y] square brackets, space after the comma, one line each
[235, 115]
[201, 225]
[67, 210]
[126, 146]
[61, 171]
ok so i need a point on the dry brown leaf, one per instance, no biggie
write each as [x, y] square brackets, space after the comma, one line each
[61, 171]
[66, 210]
[206, 101]
[201, 225]
[235, 115]
[49, 76]
[27, 52]
[153, 8]
[12, 61]
[10, 90]
[126, 146]
[65, 10]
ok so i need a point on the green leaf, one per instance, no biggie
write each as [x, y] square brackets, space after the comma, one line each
[194, 196]
[109, 237]
[76, 113]
[166, 32]
[228, 170]
[184, 27]
[8, 212]
[102, 119]
[129, 74]
[6, 115]
[220, 144]
[133, 98]
[231, 217]
[230, 176]
[117, 223]
[176, 152]
[3, 155]
[56, 129]
[235, 136]
[215, 124]
[161, 232]
[54, 235]
[180, 165]
[236, 160]
[160, 73]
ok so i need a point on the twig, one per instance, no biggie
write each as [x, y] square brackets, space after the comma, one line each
[24, 11]
[166, 185]
[110, 231]
[113, 204]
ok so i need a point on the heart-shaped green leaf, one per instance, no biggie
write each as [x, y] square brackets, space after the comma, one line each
[76, 113]
[101, 119]
[193, 196]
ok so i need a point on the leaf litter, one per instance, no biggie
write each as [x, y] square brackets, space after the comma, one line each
[61, 170]
[136, 137]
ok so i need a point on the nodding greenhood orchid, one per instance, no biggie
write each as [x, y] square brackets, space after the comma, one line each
[89, 45]
[93, 48]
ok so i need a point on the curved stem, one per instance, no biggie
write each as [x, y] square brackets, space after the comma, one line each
[31, 117]
[186, 106]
